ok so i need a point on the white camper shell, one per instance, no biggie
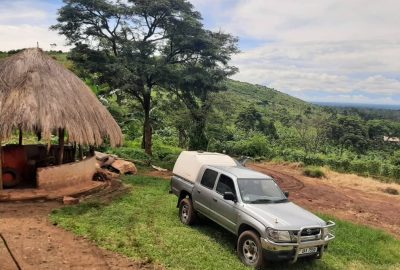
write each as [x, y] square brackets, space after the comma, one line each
[189, 163]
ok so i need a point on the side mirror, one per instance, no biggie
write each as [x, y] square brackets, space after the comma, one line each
[229, 196]
[286, 194]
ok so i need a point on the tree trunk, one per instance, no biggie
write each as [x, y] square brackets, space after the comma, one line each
[20, 137]
[147, 128]
[183, 138]
[197, 137]
[61, 134]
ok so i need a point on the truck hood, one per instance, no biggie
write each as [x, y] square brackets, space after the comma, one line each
[285, 216]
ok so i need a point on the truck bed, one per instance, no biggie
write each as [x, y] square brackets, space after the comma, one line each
[179, 184]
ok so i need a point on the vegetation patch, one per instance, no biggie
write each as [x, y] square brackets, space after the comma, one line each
[144, 225]
[391, 191]
[315, 172]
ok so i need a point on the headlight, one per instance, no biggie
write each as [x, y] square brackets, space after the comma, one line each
[279, 236]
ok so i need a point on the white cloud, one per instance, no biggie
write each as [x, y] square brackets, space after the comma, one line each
[345, 47]
[23, 23]
[315, 20]
[22, 14]
[26, 36]
[342, 67]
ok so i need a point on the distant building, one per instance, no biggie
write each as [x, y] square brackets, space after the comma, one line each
[391, 139]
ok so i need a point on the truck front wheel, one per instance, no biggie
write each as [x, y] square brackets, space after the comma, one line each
[187, 213]
[249, 249]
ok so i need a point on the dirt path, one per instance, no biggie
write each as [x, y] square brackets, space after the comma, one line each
[37, 244]
[357, 199]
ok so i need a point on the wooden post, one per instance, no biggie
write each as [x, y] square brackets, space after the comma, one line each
[80, 152]
[20, 136]
[1, 165]
[61, 133]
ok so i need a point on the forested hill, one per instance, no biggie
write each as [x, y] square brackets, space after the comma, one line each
[263, 95]
[242, 99]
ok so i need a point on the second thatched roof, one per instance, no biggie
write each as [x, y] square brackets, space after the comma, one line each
[39, 94]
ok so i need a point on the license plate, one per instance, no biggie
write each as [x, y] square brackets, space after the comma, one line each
[308, 250]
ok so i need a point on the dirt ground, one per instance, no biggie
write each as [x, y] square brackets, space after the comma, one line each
[37, 244]
[349, 197]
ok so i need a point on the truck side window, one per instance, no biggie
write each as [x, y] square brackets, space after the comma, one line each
[225, 184]
[209, 178]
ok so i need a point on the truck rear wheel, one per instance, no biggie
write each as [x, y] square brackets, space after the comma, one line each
[249, 249]
[187, 213]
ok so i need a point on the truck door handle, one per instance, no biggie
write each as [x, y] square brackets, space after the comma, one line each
[215, 200]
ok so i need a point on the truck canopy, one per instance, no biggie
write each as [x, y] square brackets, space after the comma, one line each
[189, 163]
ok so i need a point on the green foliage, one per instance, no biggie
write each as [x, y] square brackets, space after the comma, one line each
[145, 224]
[139, 46]
[395, 160]
[315, 172]
[164, 155]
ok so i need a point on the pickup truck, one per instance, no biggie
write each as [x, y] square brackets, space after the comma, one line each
[250, 205]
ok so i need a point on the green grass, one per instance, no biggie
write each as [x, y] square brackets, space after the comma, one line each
[144, 225]
[313, 171]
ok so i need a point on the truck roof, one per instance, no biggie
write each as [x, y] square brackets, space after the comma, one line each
[242, 172]
[189, 163]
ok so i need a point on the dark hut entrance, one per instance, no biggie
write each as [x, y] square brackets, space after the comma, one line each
[20, 162]
[40, 97]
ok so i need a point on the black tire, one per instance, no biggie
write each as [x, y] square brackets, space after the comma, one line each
[15, 175]
[250, 250]
[187, 214]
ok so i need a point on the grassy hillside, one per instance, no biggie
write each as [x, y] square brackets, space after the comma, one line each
[264, 96]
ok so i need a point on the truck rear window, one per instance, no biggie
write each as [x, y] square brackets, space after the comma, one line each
[209, 178]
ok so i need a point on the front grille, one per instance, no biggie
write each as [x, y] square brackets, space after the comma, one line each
[310, 232]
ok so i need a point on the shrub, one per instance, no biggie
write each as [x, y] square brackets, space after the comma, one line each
[312, 171]
[130, 153]
[391, 191]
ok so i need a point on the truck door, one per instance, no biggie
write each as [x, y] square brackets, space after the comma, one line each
[226, 211]
[203, 193]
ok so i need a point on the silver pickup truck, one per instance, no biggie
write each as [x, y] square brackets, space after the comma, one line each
[250, 205]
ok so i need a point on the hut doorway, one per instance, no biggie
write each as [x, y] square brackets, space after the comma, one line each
[20, 162]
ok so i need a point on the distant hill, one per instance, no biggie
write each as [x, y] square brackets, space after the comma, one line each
[359, 105]
[263, 96]
[271, 103]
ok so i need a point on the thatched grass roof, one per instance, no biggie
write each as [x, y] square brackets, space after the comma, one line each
[39, 94]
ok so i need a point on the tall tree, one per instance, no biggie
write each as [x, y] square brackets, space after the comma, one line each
[129, 45]
[349, 132]
[206, 72]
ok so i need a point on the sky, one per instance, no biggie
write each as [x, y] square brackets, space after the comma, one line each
[344, 51]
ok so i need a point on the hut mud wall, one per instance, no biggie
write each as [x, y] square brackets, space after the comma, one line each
[71, 174]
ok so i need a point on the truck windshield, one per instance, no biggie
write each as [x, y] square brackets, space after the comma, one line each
[260, 191]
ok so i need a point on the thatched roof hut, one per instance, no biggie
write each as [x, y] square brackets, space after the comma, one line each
[38, 94]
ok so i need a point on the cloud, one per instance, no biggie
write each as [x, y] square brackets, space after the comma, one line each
[341, 67]
[336, 47]
[315, 20]
[27, 11]
[26, 36]
[23, 23]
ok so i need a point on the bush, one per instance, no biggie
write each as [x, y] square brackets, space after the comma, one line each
[315, 172]
[130, 153]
